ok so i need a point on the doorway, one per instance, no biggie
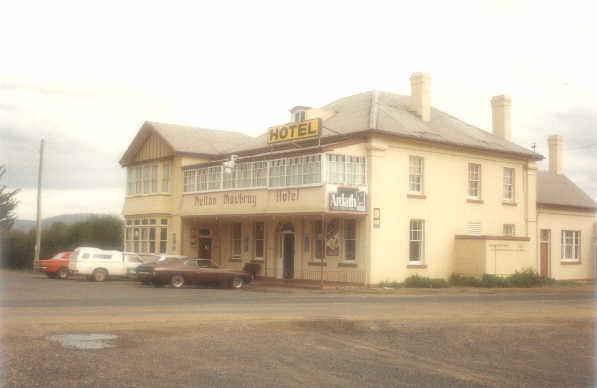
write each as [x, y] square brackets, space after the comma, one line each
[204, 248]
[288, 253]
[545, 237]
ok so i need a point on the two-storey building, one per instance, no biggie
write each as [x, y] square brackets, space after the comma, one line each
[371, 187]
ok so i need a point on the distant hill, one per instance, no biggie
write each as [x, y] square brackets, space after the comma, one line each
[26, 225]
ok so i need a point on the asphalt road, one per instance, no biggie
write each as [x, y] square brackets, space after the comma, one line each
[290, 338]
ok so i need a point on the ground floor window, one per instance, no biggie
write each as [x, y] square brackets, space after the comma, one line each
[236, 239]
[144, 235]
[259, 239]
[571, 245]
[318, 243]
[416, 241]
[350, 237]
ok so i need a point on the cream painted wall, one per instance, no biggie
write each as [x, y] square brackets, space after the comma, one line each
[445, 209]
[557, 220]
[469, 257]
[305, 266]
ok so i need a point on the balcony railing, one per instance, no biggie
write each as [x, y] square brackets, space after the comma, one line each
[307, 170]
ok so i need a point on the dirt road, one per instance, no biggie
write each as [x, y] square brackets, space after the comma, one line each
[211, 337]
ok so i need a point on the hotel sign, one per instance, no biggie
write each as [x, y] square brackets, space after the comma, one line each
[346, 199]
[294, 131]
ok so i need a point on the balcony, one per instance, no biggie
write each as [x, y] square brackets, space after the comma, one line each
[300, 184]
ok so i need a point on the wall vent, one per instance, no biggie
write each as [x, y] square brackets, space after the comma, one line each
[474, 229]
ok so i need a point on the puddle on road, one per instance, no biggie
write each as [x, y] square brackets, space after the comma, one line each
[85, 341]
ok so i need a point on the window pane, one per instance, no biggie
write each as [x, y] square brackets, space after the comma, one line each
[416, 240]
[259, 248]
[350, 250]
[146, 179]
[154, 178]
[415, 251]
[165, 176]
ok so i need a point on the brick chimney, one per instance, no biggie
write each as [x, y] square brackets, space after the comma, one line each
[500, 116]
[419, 95]
[555, 153]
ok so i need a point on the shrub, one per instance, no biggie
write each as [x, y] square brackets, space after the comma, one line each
[390, 284]
[463, 281]
[416, 281]
[526, 278]
[493, 281]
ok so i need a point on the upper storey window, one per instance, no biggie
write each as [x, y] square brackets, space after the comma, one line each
[509, 184]
[144, 179]
[304, 170]
[474, 181]
[415, 177]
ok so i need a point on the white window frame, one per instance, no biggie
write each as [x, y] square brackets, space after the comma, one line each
[138, 180]
[574, 243]
[354, 239]
[257, 239]
[146, 179]
[165, 177]
[163, 229]
[318, 238]
[139, 230]
[474, 181]
[154, 178]
[234, 239]
[416, 165]
[130, 181]
[509, 184]
[298, 171]
[416, 235]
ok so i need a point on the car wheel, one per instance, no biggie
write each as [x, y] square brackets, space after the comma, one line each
[62, 273]
[99, 275]
[237, 282]
[177, 281]
[51, 275]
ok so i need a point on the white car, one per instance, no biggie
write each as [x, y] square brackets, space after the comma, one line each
[99, 265]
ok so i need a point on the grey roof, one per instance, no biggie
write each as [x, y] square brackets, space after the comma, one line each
[390, 113]
[199, 140]
[185, 139]
[557, 189]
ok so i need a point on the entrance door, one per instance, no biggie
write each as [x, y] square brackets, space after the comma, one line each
[288, 239]
[205, 248]
[545, 235]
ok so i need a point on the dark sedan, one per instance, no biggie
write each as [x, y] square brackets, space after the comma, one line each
[177, 273]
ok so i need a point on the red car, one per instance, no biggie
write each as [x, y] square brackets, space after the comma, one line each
[57, 266]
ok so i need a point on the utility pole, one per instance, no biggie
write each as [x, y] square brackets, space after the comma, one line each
[38, 223]
[321, 262]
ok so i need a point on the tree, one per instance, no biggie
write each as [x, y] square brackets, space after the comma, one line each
[8, 204]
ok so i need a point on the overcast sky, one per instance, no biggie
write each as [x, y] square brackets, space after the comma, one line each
[85, 76]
